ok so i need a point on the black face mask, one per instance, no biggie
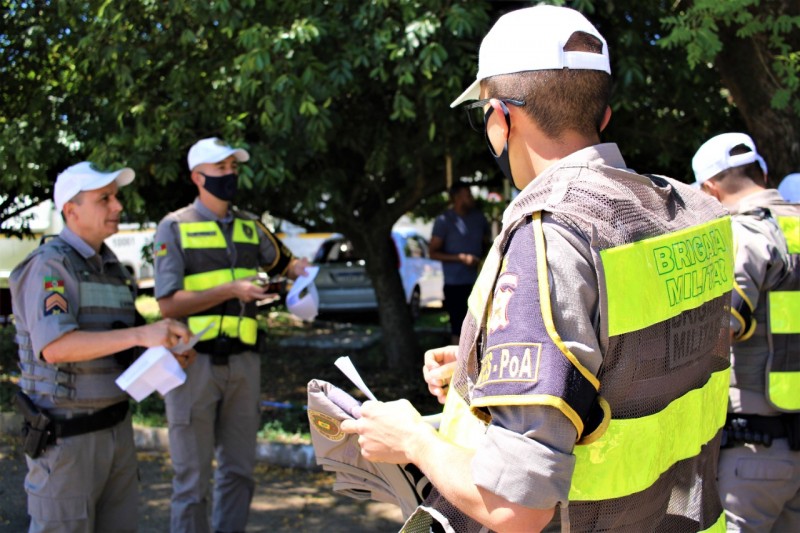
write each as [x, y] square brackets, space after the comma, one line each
[222, 187]
[503, 160]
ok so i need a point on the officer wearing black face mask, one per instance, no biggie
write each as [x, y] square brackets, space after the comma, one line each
[207, 257]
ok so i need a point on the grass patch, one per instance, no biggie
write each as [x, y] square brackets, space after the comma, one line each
[275, 431]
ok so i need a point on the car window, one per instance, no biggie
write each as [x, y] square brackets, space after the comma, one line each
[336, 251]
[423, 245]
[413, 248]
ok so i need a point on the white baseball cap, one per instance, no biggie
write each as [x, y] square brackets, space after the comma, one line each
[213, 150]
[533, 39]
[714, 156]
[85, 176]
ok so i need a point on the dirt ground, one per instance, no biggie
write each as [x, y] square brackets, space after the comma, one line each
[285, 499]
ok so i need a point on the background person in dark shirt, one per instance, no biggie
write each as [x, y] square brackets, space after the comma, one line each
[459, 238]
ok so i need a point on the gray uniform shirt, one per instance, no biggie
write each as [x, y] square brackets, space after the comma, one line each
[526, 454]
[170, 261]
[761, 262]
[44, 274]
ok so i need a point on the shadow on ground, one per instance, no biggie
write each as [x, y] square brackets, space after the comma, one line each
[286, 500]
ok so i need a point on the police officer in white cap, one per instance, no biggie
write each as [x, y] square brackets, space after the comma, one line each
[759, 472]
[575, 387]
[207, 257]
[74, 313]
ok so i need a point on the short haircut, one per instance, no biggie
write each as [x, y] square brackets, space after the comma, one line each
[737, 175]
[560, 100]
[457, 187]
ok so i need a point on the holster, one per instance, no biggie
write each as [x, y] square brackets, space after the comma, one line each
[792, 423]
[35, 428]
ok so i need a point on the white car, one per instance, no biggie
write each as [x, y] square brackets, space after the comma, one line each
[343, 283]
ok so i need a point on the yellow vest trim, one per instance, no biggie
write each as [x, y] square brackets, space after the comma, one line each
[485, 282]
[459, 425]
[664, 276]
[201, 235]
[784, 312]
[633, 453]
[213, 278]
[790, 227]
[783, 387]
[243, 328]
[544, 302]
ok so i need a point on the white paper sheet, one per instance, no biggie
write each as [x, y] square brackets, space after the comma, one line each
[156, 369]
[346, 366]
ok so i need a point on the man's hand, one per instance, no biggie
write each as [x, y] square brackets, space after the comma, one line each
[247, 289]
[297, 268]
[186, 358]
[167, 333]
[469, 259]
[389, 432]
[440, 363]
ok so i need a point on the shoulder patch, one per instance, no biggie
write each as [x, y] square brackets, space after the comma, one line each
[53, 284]
[160, 249]
[506, 285]
[55, 304]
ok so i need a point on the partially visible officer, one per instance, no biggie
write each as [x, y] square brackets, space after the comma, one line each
[74, 313]
[592, 371]
[207, 258]
[759, 471]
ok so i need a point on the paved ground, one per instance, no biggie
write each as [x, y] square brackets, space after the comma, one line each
[286, 499]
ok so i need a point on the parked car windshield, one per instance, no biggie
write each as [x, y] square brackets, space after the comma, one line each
[336, 251]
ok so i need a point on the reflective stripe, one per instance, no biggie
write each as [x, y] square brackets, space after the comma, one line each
[633, 453]
[783, 387]
[663, 276]
[245, 231]
[213, 278]
[245, 329]
[784, 312]
[201, 235]
[718, 526]
[790, 227]
[482, 290]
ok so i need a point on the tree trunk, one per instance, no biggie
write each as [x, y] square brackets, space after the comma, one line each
[403, 353]
[745, 69]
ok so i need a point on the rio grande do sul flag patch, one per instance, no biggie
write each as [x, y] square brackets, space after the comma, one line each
[52, 284]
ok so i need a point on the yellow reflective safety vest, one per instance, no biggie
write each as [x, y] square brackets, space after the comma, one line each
[649, 424]
[783, 320]
[209, 263]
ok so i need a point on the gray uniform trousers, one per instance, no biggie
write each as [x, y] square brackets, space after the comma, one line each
[214, 414]
[760, 487]
[98, 471]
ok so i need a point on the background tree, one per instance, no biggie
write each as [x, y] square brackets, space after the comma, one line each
[344, 104]
[755, 48]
